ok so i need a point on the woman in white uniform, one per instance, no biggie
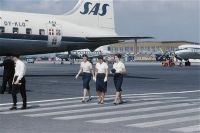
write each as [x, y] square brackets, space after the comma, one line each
[118, 70]
[101, 77]
[87, 72]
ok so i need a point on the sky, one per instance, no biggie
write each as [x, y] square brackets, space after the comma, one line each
[165, 20]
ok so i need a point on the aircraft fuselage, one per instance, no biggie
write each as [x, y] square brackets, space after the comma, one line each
[27, 33]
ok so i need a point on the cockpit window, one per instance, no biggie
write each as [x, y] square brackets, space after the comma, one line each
[15, 30]
[2, 29]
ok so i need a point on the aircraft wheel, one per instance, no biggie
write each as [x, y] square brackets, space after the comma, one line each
[188, 63]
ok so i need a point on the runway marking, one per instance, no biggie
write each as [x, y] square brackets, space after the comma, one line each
[73, 106]
[65, 112]
[78, 101]
[195, 128]
[63, 101]
[153, 115]
[165, 122]
[121, 112]
[92, 109]
[81, 105]
[75, 98]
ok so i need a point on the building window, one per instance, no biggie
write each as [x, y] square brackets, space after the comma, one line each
[42, 32]
[121, 49]
[116, 49]
[131, 49]
[28, 31]
[126, 49]
[152, 49]
[2, 29]
[148, 48]
[15, 30]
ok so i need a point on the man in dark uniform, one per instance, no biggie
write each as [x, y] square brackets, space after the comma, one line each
[9, 70]
[19, 83]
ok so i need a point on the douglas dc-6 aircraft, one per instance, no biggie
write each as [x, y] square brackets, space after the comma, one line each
[89, 25]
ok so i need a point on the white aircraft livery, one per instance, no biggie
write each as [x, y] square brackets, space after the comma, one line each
[186, 52]
[89, 24]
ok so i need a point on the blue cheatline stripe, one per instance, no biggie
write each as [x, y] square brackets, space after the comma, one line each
[23, 36]
[39, 37]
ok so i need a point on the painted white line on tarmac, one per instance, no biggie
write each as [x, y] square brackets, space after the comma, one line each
[121, 112]
[153, 115]
[79, 105]
[165, 122]
[75, 98]
[190, 129]
[68, 107]
[79, 101]
[93, 109]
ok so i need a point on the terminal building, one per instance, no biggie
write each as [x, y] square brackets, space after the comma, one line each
[146, 49]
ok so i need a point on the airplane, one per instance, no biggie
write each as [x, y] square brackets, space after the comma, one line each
[186, 52]
[77, 54]
[89, 24]
[163, 56]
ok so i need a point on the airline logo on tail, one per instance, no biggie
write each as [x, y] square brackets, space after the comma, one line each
[90, 8]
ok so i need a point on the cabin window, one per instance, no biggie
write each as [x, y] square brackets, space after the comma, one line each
[15, 30]
[2, 29]
[42, 32]
[28, 31]
[58, 32]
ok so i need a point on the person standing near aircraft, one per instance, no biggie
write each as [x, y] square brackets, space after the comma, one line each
[118, 70]
[101, 78]
[8, 73]
[87, 70]
[19, 83]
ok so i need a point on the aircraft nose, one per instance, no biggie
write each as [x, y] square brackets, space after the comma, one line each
[177, 56]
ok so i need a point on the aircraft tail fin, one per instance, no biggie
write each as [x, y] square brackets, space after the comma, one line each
[93, 13]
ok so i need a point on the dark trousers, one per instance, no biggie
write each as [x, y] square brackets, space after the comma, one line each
[7, 79]
[19, 88]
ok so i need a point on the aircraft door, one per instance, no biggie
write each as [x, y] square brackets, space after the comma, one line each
[54, 35]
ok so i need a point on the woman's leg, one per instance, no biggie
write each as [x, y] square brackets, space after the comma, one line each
[89, 96]
[84, 94]
[99, 96]
[117, 97]
[102, 97]
[120, 97]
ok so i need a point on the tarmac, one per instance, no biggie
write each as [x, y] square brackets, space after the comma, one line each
[157, 100]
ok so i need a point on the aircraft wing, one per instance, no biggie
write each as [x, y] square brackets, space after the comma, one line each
[115, 39]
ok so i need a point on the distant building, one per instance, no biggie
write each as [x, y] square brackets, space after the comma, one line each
[147, 47]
